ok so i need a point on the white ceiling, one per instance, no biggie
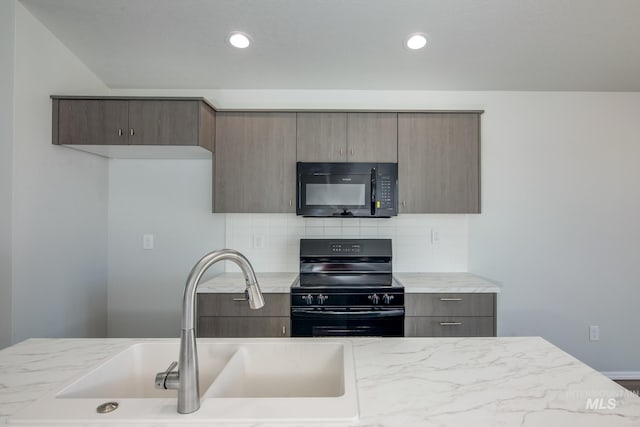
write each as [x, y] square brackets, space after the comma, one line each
[591, 45]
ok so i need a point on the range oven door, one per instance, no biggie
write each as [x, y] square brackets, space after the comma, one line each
[335, 321]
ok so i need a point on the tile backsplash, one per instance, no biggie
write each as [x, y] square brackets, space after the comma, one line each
[435, 243]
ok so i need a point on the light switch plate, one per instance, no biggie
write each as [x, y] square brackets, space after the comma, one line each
[147, 242]
[258, 241]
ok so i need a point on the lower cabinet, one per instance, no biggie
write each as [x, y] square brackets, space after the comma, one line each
[450, 315]
[229, 327]
[228, 315]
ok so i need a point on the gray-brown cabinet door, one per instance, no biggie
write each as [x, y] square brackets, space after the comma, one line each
[233, 305]
[255, 162]
[439, 162]
[321, 137]
[243, 327]
[163, 122]
[372, 137]
[449, 327]
[92, 122]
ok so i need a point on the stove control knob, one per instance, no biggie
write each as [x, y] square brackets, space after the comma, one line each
[322, 299]
[375, 299]
[308, 299]
[386, 298]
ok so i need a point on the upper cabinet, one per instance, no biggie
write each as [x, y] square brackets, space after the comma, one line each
[439, 162]
[90, 122]
[255, 162]
[105, 125]
[438, 153]
[372, 137]
[321, 137]
[347, 137]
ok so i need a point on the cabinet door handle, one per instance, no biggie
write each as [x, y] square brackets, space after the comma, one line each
[341, 151]
[284, 330]
[290, 203]
[246, 297]
[450, 299]
[351, 151]
[404, 204]
[119, 132]
[131, 132]
[450, 323]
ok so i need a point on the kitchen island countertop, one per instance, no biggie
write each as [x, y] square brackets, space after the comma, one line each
[276, 283]
[403, 382]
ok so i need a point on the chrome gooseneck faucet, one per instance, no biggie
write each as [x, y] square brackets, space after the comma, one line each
[185, 380]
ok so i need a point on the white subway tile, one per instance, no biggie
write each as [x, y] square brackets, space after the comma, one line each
[333, 231]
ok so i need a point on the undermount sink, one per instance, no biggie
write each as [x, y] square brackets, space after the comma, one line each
[268, 380]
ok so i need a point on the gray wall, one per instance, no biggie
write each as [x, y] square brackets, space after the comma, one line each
[7, 59]
[559, 223]
[60, 199]
[170, 199]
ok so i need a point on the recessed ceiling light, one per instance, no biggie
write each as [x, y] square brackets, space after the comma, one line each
[239, 40]
[416, 41]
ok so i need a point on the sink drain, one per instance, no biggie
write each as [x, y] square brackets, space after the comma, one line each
[105, 408]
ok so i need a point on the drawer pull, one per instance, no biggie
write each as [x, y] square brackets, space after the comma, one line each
[246, 297]
[450, 299]
[450, 323]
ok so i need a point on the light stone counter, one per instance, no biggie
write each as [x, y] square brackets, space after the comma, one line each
[402, 382]
[270, 283]
[445, 283]
[413, 283]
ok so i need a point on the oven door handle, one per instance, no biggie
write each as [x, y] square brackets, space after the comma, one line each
[301, 312]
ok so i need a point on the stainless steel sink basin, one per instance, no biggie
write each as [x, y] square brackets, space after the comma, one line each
[264, 380]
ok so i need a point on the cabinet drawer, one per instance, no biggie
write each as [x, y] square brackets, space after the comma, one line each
[224, 305]
[243, 327]
[449, 326]
[450, 304]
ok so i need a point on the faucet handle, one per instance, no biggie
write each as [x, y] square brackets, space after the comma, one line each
[168, 379]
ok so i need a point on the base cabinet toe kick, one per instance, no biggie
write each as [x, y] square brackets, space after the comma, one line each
[450, 315]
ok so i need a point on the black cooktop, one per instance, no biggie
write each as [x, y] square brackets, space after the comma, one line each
[356, 287]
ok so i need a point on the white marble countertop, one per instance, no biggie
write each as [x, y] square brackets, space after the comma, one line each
[401, 382]
[413, 283]
[445, 283]
[270, 283]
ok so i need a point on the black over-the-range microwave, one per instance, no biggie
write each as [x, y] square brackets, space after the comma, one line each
[347, 189]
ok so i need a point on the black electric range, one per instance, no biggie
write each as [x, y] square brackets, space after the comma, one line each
[346, 288]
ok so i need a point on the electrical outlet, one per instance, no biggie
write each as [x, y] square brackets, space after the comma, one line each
[147, 242]
[258, 241]
[594, 333]
[435, 236]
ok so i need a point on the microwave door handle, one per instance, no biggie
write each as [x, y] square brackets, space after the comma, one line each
[373, 191]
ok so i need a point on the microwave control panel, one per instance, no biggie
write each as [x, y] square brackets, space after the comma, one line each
[385, 192]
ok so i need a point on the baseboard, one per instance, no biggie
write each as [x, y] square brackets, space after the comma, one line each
[623, 375]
